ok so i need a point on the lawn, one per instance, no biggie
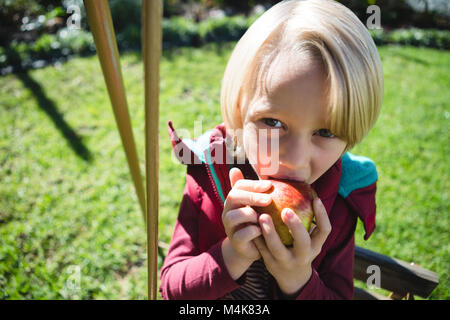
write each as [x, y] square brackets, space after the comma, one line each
[70, 223]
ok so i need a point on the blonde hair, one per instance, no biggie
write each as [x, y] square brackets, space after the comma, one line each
[326, 31]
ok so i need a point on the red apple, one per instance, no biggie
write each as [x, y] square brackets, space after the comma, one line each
[295, 195]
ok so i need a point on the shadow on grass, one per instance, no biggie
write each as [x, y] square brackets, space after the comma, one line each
[50, 108]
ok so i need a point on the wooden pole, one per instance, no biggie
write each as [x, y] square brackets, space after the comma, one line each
[100, 22]
[151, 52]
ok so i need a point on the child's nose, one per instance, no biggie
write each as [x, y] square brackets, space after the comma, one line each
[298, 154]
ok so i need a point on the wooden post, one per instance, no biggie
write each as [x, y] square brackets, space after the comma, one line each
[100, 22]
[151, 52]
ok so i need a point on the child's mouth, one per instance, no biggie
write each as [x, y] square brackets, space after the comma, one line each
[285, 178]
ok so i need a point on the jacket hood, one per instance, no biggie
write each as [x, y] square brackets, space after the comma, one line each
[352, 177]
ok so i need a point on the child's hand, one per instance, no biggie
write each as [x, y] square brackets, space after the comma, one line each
[291, 267]
[241, 221]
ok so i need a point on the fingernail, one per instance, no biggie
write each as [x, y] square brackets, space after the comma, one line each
[289, 214]
[265, 225]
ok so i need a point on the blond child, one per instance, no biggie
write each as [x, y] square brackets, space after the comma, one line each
[302, 87]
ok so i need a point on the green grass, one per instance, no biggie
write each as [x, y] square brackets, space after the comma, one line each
[68, 211]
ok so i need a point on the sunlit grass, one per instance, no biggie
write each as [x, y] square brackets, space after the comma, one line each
[66, 219]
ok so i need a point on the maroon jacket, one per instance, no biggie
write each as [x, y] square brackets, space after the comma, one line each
[194, 266]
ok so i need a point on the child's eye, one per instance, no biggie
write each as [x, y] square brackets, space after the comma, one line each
[272, 122]
[325, 133]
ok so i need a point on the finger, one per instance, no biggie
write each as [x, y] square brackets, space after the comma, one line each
[323, 226]
[235, 175]
[244, 215]
[263, 250]
[246, 234]
[253, 185]
[237, 180]
[273, 241]
[302, 240]
[241, 198]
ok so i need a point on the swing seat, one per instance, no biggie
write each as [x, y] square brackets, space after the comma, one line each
[402, 279]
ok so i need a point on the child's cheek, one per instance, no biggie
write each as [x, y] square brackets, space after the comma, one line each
[262, 150]
[251, 144]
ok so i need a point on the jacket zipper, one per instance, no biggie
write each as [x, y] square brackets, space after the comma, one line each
[213, 183]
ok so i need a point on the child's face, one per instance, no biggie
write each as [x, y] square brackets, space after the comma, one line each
[295, 107]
